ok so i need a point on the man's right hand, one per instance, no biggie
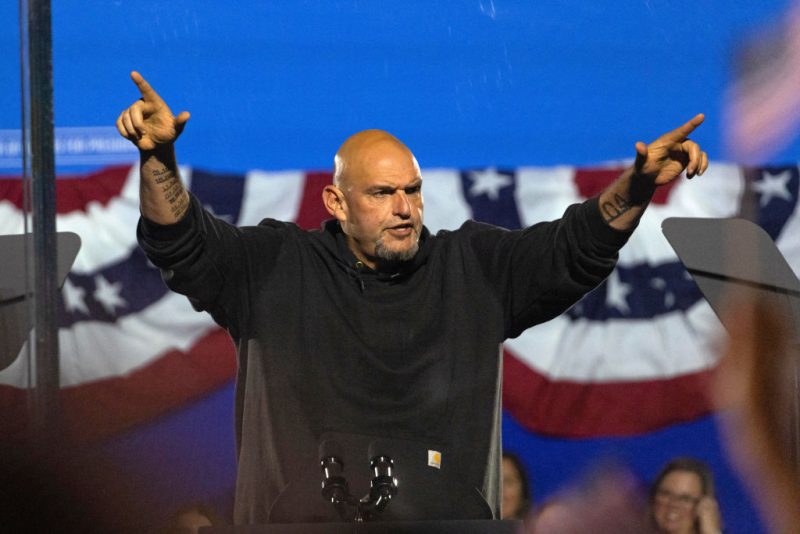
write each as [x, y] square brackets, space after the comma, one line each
[149, 123]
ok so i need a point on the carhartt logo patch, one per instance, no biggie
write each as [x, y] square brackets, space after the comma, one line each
[435, 459]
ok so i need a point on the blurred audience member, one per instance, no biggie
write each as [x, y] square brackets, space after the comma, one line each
[682, 499]
[516, 501]
[189, 519]
[755, 388]
[69, 492]
[609, 502]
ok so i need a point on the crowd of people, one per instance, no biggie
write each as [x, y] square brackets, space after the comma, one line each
[679, 500]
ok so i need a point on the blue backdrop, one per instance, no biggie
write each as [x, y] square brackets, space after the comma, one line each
[465, 83]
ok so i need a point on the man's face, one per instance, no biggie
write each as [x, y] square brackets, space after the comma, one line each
[382, 208]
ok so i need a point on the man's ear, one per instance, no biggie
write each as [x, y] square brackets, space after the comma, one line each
[334, 202]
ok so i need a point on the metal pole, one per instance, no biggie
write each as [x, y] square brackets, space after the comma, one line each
[46, 406]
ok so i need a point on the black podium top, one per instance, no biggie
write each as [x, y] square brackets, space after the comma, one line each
[479, 526]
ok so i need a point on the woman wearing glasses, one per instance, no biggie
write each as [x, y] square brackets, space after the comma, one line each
[682, 499]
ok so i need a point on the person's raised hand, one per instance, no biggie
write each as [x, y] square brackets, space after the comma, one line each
[667, 157]
[149, 123]
[708, 516]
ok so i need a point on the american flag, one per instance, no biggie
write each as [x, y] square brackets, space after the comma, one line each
[763, 101]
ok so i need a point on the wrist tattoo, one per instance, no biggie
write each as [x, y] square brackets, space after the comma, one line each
[179, 206]
[615, 208]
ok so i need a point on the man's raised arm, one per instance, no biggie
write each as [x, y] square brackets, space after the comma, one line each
[658, 163]
[150, 125]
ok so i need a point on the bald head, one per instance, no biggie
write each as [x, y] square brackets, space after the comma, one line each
[361, 151]
[376, 196]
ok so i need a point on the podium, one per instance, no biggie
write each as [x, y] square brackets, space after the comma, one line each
[477, 526]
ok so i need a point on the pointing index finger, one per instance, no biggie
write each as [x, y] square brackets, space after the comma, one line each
[144, 88]
[682, 132]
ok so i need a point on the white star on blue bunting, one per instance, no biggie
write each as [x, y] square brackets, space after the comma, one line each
[488, 182]
[773, 186]
[617, 293]
[108, 294]
[74, 298]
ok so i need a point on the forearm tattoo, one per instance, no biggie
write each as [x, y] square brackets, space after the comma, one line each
[172, 189]
[615, 208]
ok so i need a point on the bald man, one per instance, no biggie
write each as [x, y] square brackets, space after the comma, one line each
[371, 327]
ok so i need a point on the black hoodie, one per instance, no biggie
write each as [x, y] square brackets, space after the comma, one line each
[329, 349]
